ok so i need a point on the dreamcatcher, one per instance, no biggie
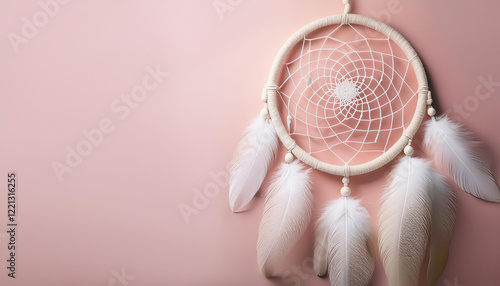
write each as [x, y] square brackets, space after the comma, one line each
[345, 95]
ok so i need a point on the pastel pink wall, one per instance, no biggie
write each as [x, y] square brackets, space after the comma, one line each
[119, 207]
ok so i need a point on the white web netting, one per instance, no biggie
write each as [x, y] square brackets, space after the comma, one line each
[346, 93]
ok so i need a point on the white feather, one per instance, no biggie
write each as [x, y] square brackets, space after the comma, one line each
[453, 152]
[346, 226]
[321, 246]
[443, 220]
[405, 221]
[287, 214]
[254, 156]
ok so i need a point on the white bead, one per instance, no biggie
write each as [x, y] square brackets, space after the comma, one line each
[345, 180]
[289, 158]
[408, 150]
[345, 191]
[431, 111]
[264, 113]
[429, 101]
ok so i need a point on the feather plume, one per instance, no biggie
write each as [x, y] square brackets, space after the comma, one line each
[287, 214]
[344, 237]
[453, 153]
[255, 154]
[405, 221]
[443, 220]
[321, 245]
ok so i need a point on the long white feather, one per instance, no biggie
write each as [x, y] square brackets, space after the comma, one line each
[443, 220]
[254, 156]
[405, 221]
[454, 153]
[287, 214]
[321, 245]
[346, 226]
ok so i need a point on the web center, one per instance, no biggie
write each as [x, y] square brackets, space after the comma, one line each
[346, 91]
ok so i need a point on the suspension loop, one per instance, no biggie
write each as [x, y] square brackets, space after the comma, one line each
[347, 6]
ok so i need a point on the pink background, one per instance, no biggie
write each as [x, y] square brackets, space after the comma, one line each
[119, 208]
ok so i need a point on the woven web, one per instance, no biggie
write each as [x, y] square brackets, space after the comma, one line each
[346, 93]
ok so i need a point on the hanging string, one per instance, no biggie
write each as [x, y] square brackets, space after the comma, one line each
[347, 6]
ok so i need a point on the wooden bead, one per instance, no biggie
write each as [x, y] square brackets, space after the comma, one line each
[264, 113]
[431, 111]
[408, 150]
[345, 191]
[264, 98]
[289, 158]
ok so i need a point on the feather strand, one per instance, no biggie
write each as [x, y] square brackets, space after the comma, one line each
[405, 221]
[346, 226]
[443, 220]
[255, 154]
[454, 153]
[287, 213]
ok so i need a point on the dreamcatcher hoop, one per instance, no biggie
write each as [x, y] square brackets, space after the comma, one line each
[270, 93]
[418, 208]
